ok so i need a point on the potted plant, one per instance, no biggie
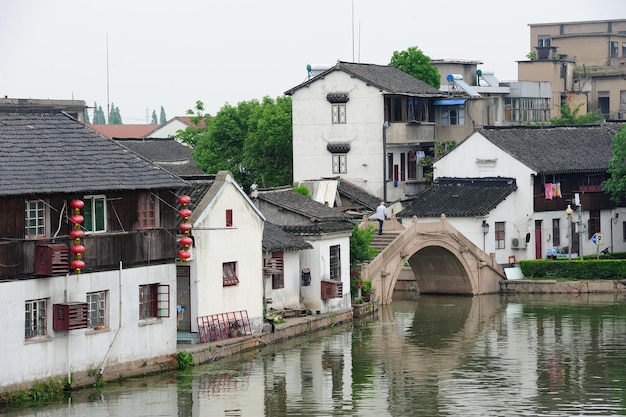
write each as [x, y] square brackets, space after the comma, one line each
[366, 290]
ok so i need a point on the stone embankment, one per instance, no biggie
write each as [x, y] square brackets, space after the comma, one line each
[549, 286]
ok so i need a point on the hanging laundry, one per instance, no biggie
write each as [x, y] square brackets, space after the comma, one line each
[557, 190]
[549, 190]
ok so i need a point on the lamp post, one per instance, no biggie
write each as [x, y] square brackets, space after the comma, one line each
[485, 227]
[570, 216]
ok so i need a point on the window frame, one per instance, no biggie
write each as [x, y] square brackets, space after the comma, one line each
[96, 309]
[40, 218]
[593, 224]
[499, 235]
[334, 264]
[35, 325]
[339, 163]
[147, 211]
[338, 113]
[276, 269]
[556, 232]
[154, 301]
[229, 274]
[91, 202]
[452, 115]
[229, 217]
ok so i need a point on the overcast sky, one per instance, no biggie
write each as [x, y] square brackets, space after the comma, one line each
[172, 53]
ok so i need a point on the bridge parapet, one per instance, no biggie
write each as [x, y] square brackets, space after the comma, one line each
[449, 263]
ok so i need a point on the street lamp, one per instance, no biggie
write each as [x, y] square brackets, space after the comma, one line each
[570, 216]
[485, 231]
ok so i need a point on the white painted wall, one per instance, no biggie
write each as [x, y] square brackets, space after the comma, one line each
[313, 130]
[169, 129]
[216, 244]
[318, 260]
[287, 298]
[64, 352]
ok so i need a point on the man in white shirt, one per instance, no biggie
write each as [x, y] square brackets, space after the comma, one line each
[381, 213]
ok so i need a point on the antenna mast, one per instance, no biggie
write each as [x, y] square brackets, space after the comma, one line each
[108, 110]
[352, 30]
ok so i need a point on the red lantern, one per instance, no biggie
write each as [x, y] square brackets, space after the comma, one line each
[77, 219]
[185, 227]
[186, 241]
[184, 213]
[77, 265]
[77, 234]
[184, 200]
[77, 249]
[184, 255]
[77, 204]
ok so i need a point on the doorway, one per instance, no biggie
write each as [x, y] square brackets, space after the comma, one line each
[183, 298]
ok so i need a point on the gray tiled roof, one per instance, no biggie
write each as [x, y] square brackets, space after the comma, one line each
[53, 153]
[166, 153]
[555, 150]
[276, 239]
[460, 197]
[316, 217]
[357, 194]
[386, 78]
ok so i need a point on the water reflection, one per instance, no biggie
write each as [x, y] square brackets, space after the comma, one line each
[422, 356]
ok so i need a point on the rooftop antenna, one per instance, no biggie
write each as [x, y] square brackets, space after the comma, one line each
[352, 30]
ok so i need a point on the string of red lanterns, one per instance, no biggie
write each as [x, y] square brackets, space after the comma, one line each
[185, 227]
[77, 234]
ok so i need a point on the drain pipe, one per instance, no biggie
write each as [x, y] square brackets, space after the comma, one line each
[385, 126]
[119, 324]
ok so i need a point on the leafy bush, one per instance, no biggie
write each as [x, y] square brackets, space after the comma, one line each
[184, 360]
[602, 269]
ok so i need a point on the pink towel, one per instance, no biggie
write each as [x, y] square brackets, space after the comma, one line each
[549, 189]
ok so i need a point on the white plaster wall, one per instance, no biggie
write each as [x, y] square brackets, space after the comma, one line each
[287, 298]
[64, 352]
[216, 244]
[313, 130]
[318, 260]
[169, 129]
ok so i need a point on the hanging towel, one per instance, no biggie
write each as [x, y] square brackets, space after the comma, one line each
[549, 190]
[557, 190]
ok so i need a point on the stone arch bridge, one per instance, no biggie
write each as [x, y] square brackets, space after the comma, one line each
[441, 258]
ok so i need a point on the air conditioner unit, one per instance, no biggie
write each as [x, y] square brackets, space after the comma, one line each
[331, 289]
[518, 243]
[51, 259]
[70, 316]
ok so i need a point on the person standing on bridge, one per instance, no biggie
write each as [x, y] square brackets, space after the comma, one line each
[381, 213]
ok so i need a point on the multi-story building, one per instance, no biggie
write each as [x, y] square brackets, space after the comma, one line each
[585, 62]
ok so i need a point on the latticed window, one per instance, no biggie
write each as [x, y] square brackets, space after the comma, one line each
[335, 262]
[338, 113]
[35, 217]
[453, 115]
[500, 235]
[275, 267]
[96, 304]
[229, 274]
[154, 301]
[340, 164]
[35, 318]
[95, 213]
[146, 211]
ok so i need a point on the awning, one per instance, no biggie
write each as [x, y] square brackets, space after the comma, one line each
[450, 102]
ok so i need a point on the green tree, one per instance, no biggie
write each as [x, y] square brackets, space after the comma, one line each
[199, 126]
[615, 185]
[571, 117]
[98, 115]
[268, 151]
[154, 118]
[162, 117]
[86, 116]
[115, 118]
[414, 62]
[434, 154]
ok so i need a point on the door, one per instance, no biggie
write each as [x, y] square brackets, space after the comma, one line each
[538, 240]
[183, 298]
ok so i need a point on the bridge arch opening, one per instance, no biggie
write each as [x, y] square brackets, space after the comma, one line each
[437, 270]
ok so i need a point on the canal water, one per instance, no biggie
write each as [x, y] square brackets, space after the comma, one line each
[493, 355]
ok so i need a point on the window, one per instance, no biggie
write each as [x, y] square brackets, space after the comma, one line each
[335, 262]
[340, 164]
[623, 49]
[274, 267]
[526, 109]
[338, 113]
[393, 109]
[556, 232]
[35, 319]
[419, 109]
[229, 274]
[500, 236]
[402, 166]
[412, 166]
[147, 211]
[389, 166]
[154, 301]
[623, 232]
[35, 218]
[543, 41]
[95, 213]
[593, 225]
[229, 218]
[453, 115]
[96, 309]
[614, 49]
